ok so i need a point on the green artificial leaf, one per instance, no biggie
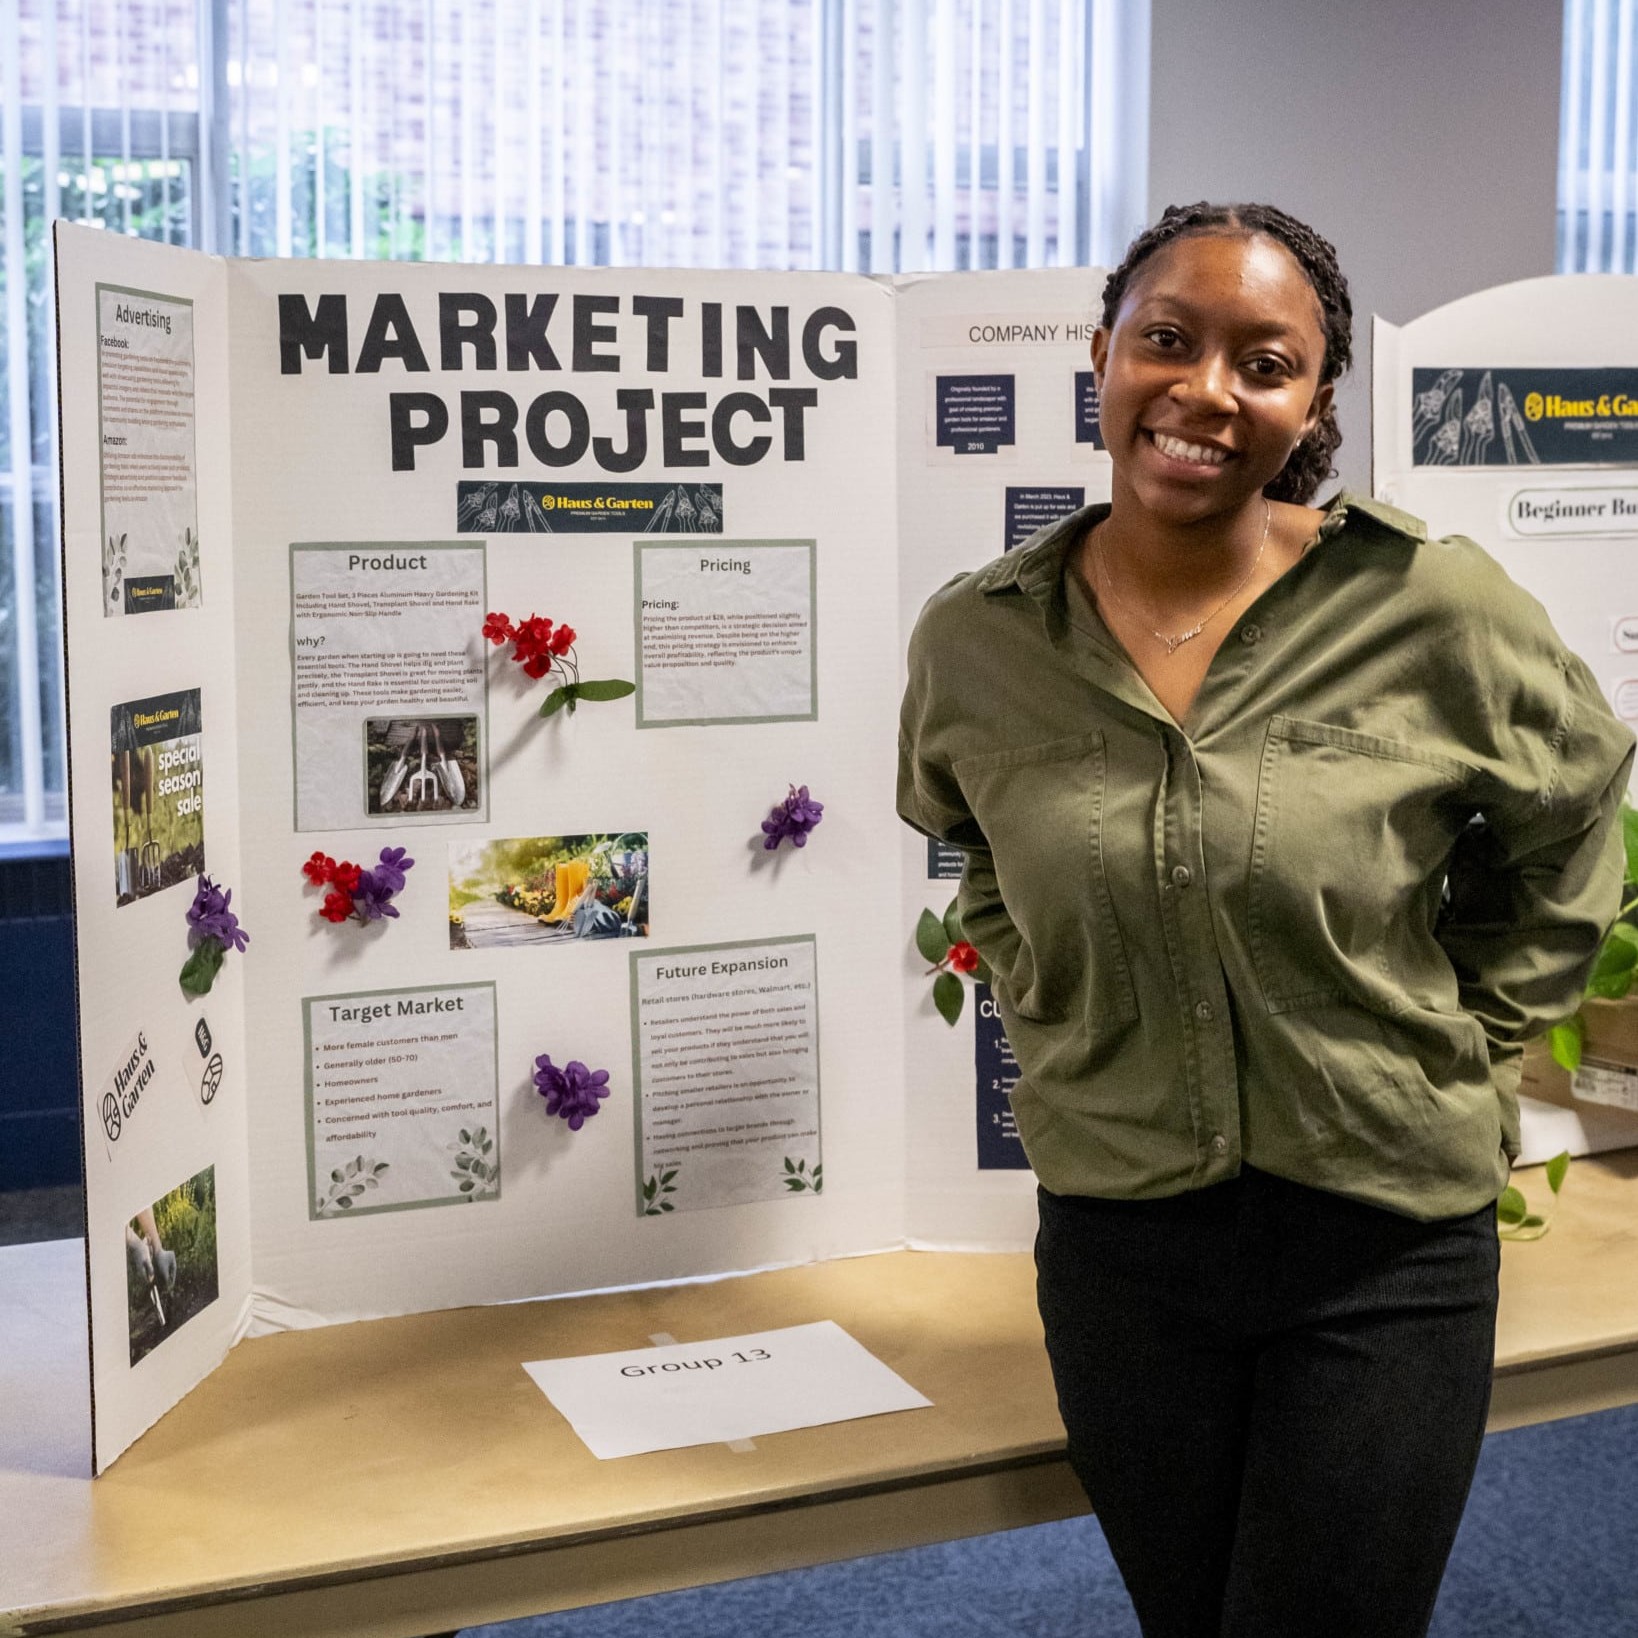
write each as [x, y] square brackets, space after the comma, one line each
[1564, 1042]
[200, 969]
[794, 1184]
[468, 1186]
[380, 1166]
[948, 995]
[344, 1202]
[930, 938]
[789, 1164]
[1612, 973]
[649, 1189]
[356, 1190]
[1629, 835]
[488, 1144]
[668, 1177]
[1511, 1207]
[1533, 1221]
[354, 1165]
[952, 923]
[665, 1205]
[611, 688]
[557, 699]
[466, 1136]
[1557, 1167]
[1625, 930]
[336, 1176]
[464, 1162]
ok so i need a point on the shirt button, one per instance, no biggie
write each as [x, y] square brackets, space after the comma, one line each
[1251, 633]
[1202, 1011]
[1181, 876]
[1219, 1145]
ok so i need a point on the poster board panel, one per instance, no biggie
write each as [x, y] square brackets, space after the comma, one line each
[578, 428]
[148, 589]
[998, 437]
[1511, 416]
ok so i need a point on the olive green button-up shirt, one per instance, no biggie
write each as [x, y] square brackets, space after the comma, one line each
[1308, 929]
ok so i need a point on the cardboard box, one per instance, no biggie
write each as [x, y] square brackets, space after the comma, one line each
[1597, 1108]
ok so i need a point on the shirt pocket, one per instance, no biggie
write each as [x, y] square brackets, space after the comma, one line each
[1352, 840]
[1041, 810]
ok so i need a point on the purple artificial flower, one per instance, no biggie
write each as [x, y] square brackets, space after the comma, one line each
[210, 917]
[391, 869]
[795, 817]
[372, 898]
[572, 1091]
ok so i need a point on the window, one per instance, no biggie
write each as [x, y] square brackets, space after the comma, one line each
[862, 135]
[1598, 138]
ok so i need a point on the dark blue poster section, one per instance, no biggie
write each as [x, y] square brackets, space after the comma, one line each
[1087, 430]
[1509, 417]
[1029, 509]
[997, 1073]
[943, 862]
[977, 414]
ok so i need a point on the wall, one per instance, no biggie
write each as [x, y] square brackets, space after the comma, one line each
[1421, 139]
[39, 1073]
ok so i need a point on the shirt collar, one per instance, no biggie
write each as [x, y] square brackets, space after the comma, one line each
[1037, 566]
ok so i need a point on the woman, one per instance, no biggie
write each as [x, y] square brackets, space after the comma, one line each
[1284, 827]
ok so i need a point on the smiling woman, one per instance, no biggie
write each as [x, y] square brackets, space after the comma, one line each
[1283, 827]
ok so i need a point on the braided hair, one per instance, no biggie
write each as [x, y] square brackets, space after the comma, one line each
[1309, 464]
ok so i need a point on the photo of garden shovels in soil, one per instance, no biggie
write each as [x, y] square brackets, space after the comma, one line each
[159, 794]
[421, 765]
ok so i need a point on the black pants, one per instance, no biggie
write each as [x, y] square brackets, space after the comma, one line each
[1275, 1399]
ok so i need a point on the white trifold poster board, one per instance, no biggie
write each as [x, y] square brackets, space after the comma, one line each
[1511, 416]
[294, 492]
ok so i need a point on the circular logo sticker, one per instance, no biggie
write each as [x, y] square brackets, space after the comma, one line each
[1533, 406]
[211, 1080]
[110, 1115]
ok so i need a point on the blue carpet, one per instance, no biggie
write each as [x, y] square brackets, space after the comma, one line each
[1549, 1549]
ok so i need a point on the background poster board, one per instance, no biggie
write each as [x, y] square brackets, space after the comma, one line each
[384, 454]
[962, 502]
[1511, 416]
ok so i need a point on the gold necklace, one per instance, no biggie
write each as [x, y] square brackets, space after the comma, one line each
[1173, 644]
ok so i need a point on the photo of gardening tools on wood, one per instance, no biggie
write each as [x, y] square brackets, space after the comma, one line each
[421, 764]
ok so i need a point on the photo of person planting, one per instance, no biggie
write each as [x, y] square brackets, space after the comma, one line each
[170, 1262]
[548, 890]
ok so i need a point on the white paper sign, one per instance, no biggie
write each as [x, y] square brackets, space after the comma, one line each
[703, 1393]
[725, 632]
[728, 1075]
[150, 500]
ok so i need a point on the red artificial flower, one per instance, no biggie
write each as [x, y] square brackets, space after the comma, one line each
[497, 628]
[562, 639]
[337, 906]
[537, 665]
[345, 875]
[963, 957]
[319, 869]
[531, 638]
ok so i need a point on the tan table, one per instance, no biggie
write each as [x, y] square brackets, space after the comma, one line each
[404, 1477]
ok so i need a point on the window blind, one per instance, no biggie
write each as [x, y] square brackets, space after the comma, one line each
[1598, 138]
[864, 135]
